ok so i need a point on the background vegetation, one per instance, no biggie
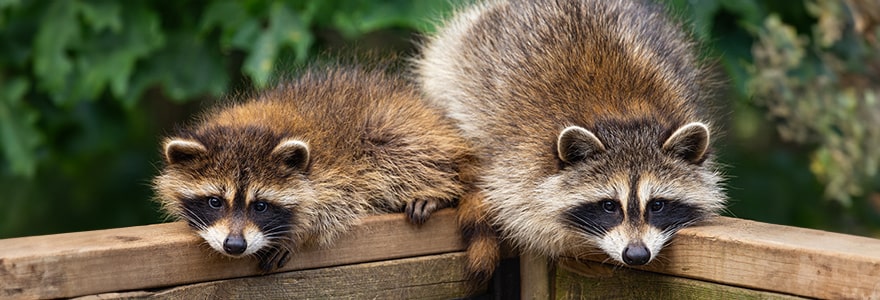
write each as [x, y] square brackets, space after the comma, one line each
[87, 88]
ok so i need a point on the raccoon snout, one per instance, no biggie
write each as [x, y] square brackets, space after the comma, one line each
[636, 254]
[234, 245]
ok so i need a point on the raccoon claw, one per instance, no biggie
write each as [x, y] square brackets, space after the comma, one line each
[274, 259]
[418, 211]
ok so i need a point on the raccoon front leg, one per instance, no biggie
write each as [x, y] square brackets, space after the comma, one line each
[419, 210]
[274, 257]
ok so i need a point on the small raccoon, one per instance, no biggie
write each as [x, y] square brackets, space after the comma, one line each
[301, 163]
[589, 120]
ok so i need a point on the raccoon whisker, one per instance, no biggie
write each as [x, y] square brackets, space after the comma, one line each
[606, 260]
[685, 224]
[196, 223]
[168, 217]
[277, 231]
[281, 240]
[662, 259]
[587, 225]
[671, 230]
[727, 211]
[259, 255]
[589, 249]
[279, 227]
[192, 216]
[615, 266]
[277, 245]
[278, 236]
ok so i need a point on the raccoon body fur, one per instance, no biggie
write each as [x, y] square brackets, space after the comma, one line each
[299, 164]
[590, 120]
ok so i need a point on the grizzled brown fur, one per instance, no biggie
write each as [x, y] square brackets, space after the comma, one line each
[589, 117]
[320, 151]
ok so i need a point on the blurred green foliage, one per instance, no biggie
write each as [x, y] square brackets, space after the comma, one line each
[805, 123]
[87, 88]
[823, 89]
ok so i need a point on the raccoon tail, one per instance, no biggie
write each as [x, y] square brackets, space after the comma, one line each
[483, 253]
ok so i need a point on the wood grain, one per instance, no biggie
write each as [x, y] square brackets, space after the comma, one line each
[791, 260]
[592, 280]
[92, 262]
[748, 254]
[535, 277]
[427, 277]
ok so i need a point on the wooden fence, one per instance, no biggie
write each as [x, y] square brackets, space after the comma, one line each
[385, 257]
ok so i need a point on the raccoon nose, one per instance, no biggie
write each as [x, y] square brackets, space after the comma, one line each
[234, 245]
[636, 255]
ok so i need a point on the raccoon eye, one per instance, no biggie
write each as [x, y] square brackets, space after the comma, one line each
[260, 206]
[657, 205]
[214, 202]
[609, 206]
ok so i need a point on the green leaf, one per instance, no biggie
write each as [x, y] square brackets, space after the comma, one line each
[364, 16]
[372, 16]
[18, 133]
[292, 29]
[111, 58]
[245, 36]
[285, 29]
[749, 13]
[259, 62]
[186, 68]
[59, 29]
[102, 15]
[229, 16]
[9, 3]
[5, 4]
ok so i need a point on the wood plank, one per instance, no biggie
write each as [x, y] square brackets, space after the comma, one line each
[92, 262]
[535, 276]
[427, 277]
[743, 253]
[592, 280]
[791, 260]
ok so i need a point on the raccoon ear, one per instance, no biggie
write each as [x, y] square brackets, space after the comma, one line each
[690, 142]
[576, 143]
[178, 151]
[293, 154]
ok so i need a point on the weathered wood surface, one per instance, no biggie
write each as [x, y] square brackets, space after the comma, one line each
[784, 259]
[535, 277]
[592, 280]
[92, 262]
[753, 255]
[427, 277]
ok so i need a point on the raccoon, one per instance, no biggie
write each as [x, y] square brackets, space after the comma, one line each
[589, 119]
[299, 164]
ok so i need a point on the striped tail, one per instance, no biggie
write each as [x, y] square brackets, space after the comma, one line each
[483, 253]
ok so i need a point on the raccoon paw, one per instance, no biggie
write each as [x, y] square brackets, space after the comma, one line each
[274, 258]
[418, 211]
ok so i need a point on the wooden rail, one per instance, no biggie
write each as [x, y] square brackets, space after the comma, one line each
[733, 253]
[387, 257]
[162, 255]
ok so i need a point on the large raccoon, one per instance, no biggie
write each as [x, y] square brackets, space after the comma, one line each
[301, 163]
[589, 120]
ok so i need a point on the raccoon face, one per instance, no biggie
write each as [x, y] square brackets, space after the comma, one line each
[629, 196]
[239, 199]
[237, 226]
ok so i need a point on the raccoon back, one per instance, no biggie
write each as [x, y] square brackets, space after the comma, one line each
[562, 63]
